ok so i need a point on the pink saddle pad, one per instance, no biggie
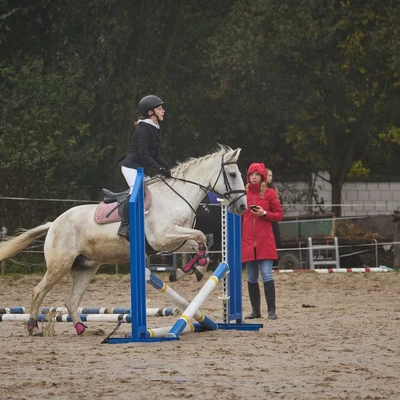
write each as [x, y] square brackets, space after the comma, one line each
[103, 209]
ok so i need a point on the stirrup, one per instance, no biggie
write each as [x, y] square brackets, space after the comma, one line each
[123, 230]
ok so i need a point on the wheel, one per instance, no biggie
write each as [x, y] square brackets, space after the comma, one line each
[289, 261]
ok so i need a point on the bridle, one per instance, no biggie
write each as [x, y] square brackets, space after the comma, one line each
[228, 187]
[225, 196]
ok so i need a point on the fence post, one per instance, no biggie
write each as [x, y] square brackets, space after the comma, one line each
[396, 246]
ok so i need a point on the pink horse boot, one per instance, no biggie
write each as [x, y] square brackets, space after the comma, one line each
[202, 262]
[80, 328]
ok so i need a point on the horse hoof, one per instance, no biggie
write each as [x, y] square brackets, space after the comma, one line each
[199, 275]
[31, 325]
[176, 275]
[80, 328]
[38, 334]
[172, 276]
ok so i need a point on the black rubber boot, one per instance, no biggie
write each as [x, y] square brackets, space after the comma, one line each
[124, 213]
[269, 290]
[254, 293]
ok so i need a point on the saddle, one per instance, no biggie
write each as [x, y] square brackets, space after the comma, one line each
[108, 212]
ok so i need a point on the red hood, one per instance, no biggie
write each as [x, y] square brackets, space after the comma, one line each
[257, 167]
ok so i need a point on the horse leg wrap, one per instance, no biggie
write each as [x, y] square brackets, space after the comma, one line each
[190, 265]
[31, 325]
[80, 328]
[202, 255]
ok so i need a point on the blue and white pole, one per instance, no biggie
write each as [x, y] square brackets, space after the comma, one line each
[150, 312]
[194, 306]
[162, 332]
[177, 299]
[67, 318]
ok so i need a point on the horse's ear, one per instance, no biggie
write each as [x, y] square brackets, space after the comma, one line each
[235, 155]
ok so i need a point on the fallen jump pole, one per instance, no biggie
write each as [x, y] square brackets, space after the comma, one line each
[150, 312]
[126, 318]
[67, 318]
[177, 299]
[194, 306]
[162, 332]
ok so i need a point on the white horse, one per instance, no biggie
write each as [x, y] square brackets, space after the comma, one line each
[75, 243]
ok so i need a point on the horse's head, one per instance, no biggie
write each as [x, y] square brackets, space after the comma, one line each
[229, 182]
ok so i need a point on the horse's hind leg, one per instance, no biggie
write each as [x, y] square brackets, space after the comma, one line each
[51, 277]
[81, 278]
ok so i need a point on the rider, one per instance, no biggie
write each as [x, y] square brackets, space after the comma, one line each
[144, 150]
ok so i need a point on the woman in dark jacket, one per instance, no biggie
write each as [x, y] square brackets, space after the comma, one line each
[275, 225]
[144, 150]
[258, 242]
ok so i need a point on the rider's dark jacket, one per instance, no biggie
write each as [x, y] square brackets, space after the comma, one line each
[144, 149]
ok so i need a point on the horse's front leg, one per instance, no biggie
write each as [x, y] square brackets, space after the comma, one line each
[195, 242]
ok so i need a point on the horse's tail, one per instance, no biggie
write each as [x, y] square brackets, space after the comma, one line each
[14, 245]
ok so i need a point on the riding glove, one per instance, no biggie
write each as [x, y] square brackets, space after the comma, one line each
[165, 171]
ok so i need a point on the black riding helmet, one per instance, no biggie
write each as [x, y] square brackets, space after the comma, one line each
[148, 103]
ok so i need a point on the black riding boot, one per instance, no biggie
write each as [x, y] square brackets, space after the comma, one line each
[254, 293]
[269, 290]
[124, 213]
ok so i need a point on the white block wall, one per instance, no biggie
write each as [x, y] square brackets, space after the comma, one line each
[358, 198]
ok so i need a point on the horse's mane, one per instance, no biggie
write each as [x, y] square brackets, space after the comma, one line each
[182, 166]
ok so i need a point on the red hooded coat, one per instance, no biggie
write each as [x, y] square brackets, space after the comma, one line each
[258, 242]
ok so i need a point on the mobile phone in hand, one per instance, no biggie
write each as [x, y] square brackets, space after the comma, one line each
[254, 208]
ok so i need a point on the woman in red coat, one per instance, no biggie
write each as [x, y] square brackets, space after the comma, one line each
[258, 243]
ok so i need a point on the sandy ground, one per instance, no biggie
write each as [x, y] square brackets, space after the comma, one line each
[337, 337]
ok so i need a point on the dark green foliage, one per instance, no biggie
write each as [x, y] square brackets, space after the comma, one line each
[301, 85]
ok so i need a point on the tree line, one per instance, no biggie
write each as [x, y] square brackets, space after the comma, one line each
[301, 86]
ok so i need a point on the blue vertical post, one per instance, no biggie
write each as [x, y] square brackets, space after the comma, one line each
[235, 264]
[137, 263]
[138, 258]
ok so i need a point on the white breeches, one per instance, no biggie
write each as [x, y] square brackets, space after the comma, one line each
[130, 175]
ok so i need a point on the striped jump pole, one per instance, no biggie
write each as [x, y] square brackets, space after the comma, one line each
[150, 312]
[126, 318]
[336, 270]
[194, 306]
[67, 318]
[177, 299]
[162, 332]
